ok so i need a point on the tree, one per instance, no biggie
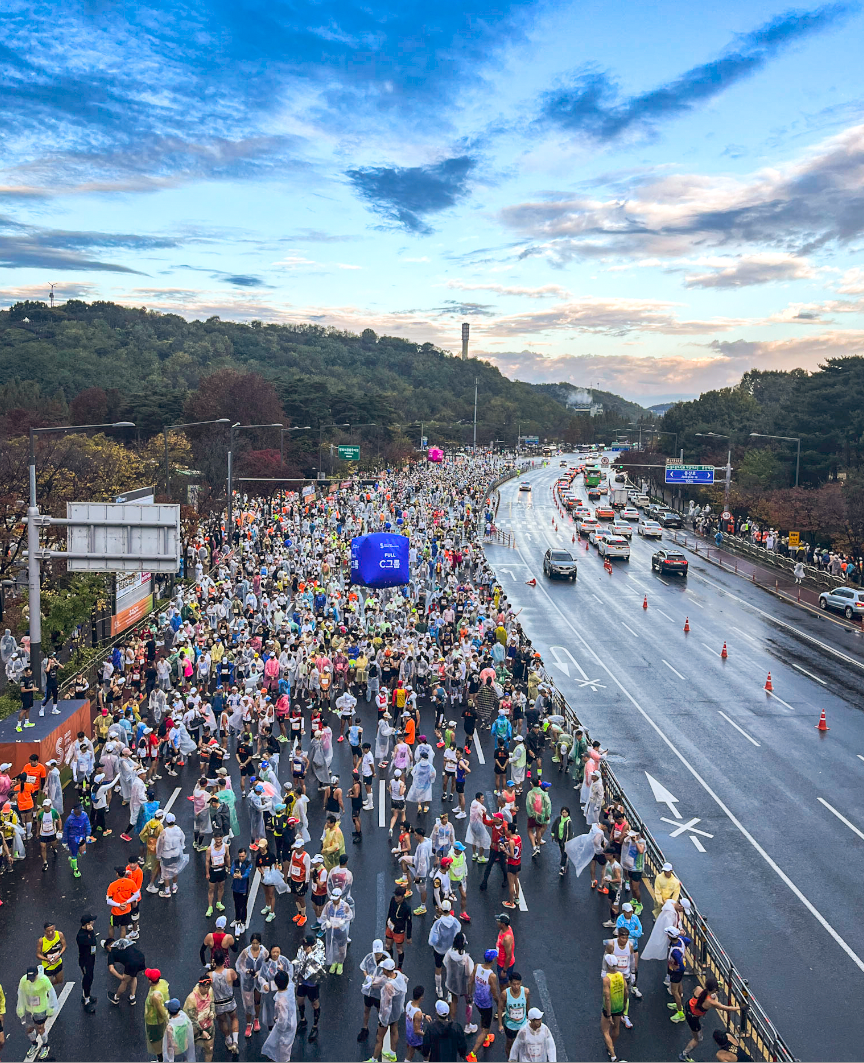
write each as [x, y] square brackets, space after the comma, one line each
[246, 398]
[89, 407]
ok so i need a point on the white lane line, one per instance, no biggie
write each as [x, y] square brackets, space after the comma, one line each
[523, 904]
[710, 649]
[697, 843]
[479, 749]
[771, 694]
[858, 755]
[253, 893]
[783, 623]
[668, 617]
[630, 629]
[600, 600]
[382, 799]
[842, 819]
[663, 581]
[740, 730]
[171, 800]
[755, 642]
[816, 677]
[548, 1011]
[675, 670]
[693, 600]
[61, 1000]
[721, 804]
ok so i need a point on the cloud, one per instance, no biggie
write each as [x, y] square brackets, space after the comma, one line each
[592, 103]
[40, 293]
[747, 270]
[797, 208]
[346, 265]
[30, 246]
[648, 380]
[404, 196]
[545, 291]
[852, 282]
[242, 281]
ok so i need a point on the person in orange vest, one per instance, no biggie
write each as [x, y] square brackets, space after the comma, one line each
[119, 898]
[22, 793]
[300, 874]
[135, 873]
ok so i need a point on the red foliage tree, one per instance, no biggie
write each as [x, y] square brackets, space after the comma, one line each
[244, 397]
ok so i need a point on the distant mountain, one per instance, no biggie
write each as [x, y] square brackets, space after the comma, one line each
[661, 408]
[569, 395]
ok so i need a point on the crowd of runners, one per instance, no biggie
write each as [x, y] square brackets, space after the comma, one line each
[243, 689]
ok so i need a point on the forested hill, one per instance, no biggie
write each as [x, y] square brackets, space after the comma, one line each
[149, 363]
[567, 394]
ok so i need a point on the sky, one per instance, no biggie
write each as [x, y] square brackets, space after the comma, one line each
[645, 198]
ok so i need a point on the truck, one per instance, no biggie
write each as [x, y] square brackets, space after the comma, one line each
[618, 497]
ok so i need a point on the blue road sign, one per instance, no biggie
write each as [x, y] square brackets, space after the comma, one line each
[689, 474]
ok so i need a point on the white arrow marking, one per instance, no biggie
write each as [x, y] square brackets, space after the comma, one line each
[565, 668]
[681, 827]
[509, 572]
[662, 795]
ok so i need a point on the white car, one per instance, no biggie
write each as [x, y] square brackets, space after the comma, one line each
[585, 525]
[582, 512]
[524, 486]
[630, 513]
[621, 527]
[649, 529]
[613, 546]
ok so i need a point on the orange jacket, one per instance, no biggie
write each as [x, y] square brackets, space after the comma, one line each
[120, 892]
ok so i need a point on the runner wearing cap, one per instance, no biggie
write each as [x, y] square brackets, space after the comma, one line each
[534, 1043]
[485, 991]
[299, 876]
[218, 939]
[615, 1000]
[155, 1013]
[370, 966]
[666, 888]
[443, 1038]
[124, 953]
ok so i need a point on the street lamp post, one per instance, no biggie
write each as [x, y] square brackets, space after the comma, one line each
[230, 526]
[721, 435]
[33, 575]
[786, 439]
[170, 428]
[302, 428]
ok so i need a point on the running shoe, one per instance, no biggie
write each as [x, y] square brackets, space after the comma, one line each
[490, 1037]
[248, 1032]
[209, 912]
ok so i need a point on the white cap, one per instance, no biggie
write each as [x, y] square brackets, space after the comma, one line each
[445, 906]
[377, 945]
[221, 922]
[388, 964]
[666, 867]
[627, 907]
[442, 1008]
[336, 893]
[685, 904]
[609, 960]
[672, 931]
[535, 1013]
[5, 767]
[298, 844]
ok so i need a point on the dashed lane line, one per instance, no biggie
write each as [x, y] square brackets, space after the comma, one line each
[479, 749]
[740, 729]
[675, 670]
[810, 674]
[842, 819]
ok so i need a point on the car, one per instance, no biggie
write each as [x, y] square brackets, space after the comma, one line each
[649, 529]
[621, 527]
[843, 600]
[559, 563]
[585, 525]
[613, 546]
[562, 464]
[524, 486]
[669, 561]
[596, 534]
[604, 513]
[654, 509]
[641, 501]
[669, 519]
[594, 494]
[630, 513]
[581, 511]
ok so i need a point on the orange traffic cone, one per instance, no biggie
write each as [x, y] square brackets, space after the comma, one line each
[686, 623]
[572, 538]
[531, 582]
[587, 543]
[822, 725]
[724, 653]
[768, 684]
[645, 602]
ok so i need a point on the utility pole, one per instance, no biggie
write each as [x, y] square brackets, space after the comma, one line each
[728, 482]
[475, 414]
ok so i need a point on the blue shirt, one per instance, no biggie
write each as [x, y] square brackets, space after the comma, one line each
[633, 925]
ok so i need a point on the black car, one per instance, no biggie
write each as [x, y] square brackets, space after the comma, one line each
[559, 563]
[669, 561]
[668, 519]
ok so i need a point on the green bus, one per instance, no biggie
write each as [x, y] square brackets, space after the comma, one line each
[592, 477]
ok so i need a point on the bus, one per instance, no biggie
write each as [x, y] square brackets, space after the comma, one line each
[592, 476]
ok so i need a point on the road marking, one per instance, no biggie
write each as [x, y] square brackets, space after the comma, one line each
[523, 904]
[755, 642]
[253, 893]
[171, 800]
[382, 799]
[663, 581]
[630, 629]
[479, 749]
[675, 670]
[740, 729]
[693, 600]
[549, 1012]
[61, 1000]
[664, 796]
[771, 694]
[600, 600]
[668, 617]
[721, 804]
[711, 649]
[858, 755]
[697, 843]
[842, 819]
[816, 677]
[380, 904]
[681, 827]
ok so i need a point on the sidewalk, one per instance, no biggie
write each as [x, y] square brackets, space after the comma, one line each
[768, 578]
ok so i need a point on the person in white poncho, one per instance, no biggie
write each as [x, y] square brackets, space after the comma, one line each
[534, 1043]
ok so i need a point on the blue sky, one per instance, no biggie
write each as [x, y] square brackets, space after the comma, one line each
[647, 198]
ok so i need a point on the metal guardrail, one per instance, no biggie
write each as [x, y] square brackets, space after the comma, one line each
[753, 1028]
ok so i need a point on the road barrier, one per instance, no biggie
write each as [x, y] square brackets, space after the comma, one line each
[751, 1026]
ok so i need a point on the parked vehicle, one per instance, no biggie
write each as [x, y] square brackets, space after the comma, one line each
[843, 600]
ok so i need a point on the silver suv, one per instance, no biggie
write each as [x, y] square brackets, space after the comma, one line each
[559, 563]
[843, 600]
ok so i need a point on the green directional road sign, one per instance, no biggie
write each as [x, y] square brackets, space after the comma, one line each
[349, 453]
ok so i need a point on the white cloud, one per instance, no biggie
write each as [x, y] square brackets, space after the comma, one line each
[543, 292]
[344, 265]
[852, 282]
[745, 270]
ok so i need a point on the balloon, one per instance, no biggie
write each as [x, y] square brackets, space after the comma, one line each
[399, 520]
[387, 525]
[435, 454]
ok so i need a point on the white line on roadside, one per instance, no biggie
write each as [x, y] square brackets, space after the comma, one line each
[858, 755]
[842, 819]
[698, 605]
[61, 1000]
[668, 617]
[479, 749]
[816, 677]
[253, 893]
[171, 800]
[697, 843]
[721, 804]
[740, 729]
[771, 694]
[630, 629]
[663, 581]
[382, 799]
[746, 636]
[711, 649]
[675, 670]
[548, 1010]
[523, 904]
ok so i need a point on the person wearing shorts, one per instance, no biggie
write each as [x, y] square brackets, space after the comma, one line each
[486, 993]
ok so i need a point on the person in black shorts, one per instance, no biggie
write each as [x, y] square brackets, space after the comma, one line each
[244, 754]
[310, 958]
[356, 794]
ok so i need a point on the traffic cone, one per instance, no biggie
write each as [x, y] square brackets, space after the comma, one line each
[645, 602]
[768, 684]
[724, 653]
[531, 582]
[686, 623]
[587, 543]
[572, 538]
[822, 725]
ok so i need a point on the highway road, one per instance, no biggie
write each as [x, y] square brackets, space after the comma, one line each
[767, 823]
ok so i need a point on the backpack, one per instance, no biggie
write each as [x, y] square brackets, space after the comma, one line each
[536, 805]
